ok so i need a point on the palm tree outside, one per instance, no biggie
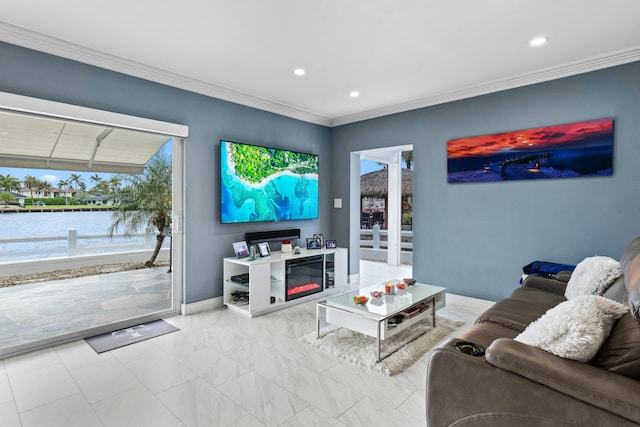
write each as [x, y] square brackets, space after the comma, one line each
[9, 183]
[31, 182]
[145, 201]
[407, 156]
[96, 179]
[42, 185]
[75, 180]
[6, 197]
[65, 185]
[407, 200]
[115, 183]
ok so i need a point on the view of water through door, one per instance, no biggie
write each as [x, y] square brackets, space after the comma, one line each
[78, 256]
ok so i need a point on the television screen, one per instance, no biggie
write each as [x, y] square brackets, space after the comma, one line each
[266, 184]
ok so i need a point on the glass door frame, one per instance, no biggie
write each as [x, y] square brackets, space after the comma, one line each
[178, 133]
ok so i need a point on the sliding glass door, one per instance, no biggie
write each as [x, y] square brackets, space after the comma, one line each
[77, 254]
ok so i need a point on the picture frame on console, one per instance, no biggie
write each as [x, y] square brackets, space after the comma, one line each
[313, 243]
[320, 237]
[241, 249]
[331, 244]
[264, 249]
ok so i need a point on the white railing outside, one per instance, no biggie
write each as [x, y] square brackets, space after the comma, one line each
[373, 244]
[22, 248]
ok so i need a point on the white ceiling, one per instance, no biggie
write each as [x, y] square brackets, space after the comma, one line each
[399, 55]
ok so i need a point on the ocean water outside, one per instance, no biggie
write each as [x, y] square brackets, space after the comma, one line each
[57, 224]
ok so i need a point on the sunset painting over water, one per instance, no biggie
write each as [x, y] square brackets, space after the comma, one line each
[560, 151]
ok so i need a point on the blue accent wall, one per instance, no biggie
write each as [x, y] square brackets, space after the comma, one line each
[35, 74]
[474, 238]
[471, 238]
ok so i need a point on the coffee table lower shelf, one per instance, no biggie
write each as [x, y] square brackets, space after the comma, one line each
[371, 324]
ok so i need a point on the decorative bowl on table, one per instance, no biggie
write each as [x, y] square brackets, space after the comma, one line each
[410, 282]
[360, 299]
[401, 286]
[377, 294]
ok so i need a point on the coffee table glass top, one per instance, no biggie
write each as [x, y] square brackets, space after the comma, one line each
[387, 304]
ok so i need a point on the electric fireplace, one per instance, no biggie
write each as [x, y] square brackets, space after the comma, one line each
[304, 277]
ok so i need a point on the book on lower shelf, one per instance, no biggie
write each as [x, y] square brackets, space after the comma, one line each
[416, 310]
[411, 313]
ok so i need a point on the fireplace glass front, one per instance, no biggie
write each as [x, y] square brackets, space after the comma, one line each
[304, 277]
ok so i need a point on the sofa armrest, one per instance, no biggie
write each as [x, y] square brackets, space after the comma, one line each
[606, 390]
[556, 283]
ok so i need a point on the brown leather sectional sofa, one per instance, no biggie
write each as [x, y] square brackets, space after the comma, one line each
[517, 385]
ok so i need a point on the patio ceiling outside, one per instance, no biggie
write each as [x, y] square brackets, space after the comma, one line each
[29, 141]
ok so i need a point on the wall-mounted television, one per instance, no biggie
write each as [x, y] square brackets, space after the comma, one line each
[260, 184]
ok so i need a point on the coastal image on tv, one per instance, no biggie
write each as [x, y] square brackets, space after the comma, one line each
[266, 184]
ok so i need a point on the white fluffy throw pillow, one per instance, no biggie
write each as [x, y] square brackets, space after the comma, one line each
[574, 329]
[592, 276]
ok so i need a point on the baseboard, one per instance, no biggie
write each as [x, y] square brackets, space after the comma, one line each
[200, 306]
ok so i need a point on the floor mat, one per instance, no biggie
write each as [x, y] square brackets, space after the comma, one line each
[134, 334]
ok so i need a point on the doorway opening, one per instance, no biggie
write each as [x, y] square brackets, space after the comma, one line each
[80, 282]
[385, 195]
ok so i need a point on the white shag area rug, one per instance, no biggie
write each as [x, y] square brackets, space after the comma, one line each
[402, 349]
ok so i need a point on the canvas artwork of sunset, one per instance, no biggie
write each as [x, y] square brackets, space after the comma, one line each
[561, 151]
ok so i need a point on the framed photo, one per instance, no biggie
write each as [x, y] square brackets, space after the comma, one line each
[582, 149]
[331, 244]
[320, 238]
[264, 249]
[313, 243]
[241, 249]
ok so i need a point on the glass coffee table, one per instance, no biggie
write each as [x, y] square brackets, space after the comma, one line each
[382, 317]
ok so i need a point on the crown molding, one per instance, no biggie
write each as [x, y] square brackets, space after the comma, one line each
[37, 41]
[566, 70]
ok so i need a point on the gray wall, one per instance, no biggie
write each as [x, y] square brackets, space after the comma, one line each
[474, 238]
[471, 238]
[30, 73]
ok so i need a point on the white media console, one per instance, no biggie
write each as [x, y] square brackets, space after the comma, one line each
[266, 285]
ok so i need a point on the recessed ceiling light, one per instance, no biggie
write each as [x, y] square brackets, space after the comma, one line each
[538, 41]
[299, 72]
[354, 94]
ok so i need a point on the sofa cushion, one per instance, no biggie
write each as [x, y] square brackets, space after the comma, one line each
[620, 353]
[549, 284]
[486, 333]
[521, 308]
[574, 329]
[630, 263]
[545, 299]
[592, 276]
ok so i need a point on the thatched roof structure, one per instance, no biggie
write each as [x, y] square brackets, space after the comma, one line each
[376, 183]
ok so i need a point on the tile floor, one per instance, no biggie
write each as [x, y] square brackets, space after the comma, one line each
[221, 369]
[41, 310]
